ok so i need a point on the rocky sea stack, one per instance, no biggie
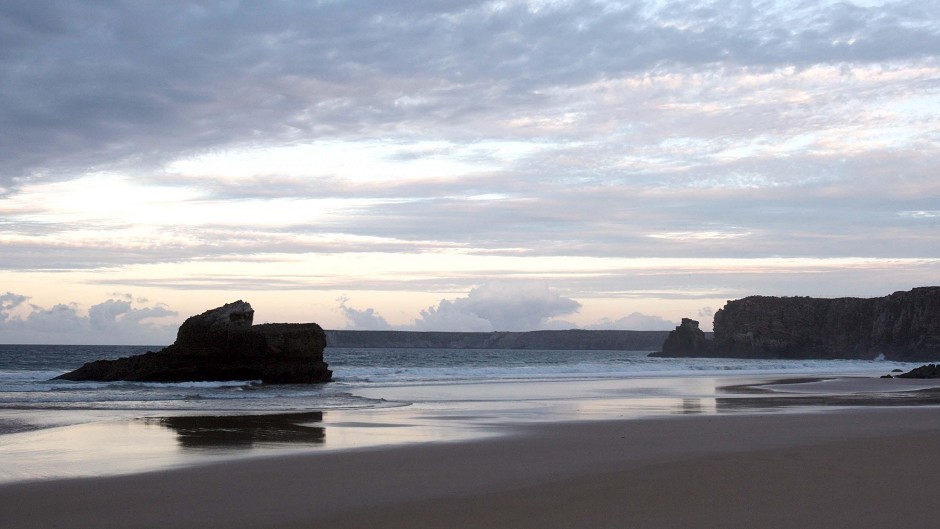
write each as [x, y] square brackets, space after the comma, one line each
[686, 340]
[222, 344]
[904, 326]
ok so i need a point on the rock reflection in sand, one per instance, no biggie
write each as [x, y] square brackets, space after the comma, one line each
[914, 398]
[245, 431]
[822, 393]
[691, 406]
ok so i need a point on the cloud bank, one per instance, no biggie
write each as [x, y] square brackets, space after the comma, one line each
[499, 306]
[635, 321]
[689, 129]
[124, 320]
[103, 85]
[362, 320]
[113, 321]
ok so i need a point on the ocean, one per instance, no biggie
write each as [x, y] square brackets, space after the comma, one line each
[26, 373]
[380, 397]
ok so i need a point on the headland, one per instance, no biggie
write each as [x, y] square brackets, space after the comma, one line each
[904, 326]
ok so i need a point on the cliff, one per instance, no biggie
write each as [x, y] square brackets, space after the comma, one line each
[569, 340]
[904, 326]
[222, 344]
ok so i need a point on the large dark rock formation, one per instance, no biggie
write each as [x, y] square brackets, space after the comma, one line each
[222, 344]
[927, 371]
[686, 340]
[904, 326]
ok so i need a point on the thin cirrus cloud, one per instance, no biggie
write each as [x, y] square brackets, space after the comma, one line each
[140, 137]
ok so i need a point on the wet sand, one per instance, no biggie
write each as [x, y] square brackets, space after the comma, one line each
[864, 467]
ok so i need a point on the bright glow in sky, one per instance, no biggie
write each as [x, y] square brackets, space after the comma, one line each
[424, 166]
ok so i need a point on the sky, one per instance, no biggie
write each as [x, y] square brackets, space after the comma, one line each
[458, 165]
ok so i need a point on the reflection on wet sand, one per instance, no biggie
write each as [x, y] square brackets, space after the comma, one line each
[244, 431]
[752, 388]
[771, 400]
[690, 406]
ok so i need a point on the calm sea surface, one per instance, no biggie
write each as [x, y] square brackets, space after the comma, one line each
[380, 397]
[26, 372]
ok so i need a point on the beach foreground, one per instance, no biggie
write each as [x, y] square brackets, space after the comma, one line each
[870, 467]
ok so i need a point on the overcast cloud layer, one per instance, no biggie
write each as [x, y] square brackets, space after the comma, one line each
[611, 150]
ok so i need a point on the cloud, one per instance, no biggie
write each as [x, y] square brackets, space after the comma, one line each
[119, 315]
[362, 320]
[706, 312]
[88, 86]
[113, 321]
[635, 322]
[498, 306]
[451, 316]
[9, 302]
[450, 130]
[493, 306]
[501, 306]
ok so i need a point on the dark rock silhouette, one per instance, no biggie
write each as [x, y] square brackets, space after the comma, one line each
[904, 326]
[686, 340]
[222, 344]
[927, 371]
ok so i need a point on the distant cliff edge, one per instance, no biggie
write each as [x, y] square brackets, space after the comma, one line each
[904, 326]
[570, 340]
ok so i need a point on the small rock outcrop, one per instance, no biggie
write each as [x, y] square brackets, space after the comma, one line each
[904, 326]
[687, 340]
[222, 344]
[927, 371]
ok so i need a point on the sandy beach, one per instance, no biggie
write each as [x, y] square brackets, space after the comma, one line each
[866, 467]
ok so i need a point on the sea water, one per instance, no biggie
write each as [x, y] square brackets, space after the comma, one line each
[27, 373]
[55, 428]
[361, 378]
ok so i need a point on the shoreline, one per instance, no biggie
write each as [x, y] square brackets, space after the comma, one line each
[90, 443]
[654, 472]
